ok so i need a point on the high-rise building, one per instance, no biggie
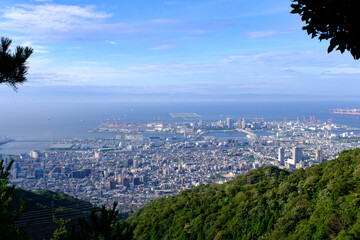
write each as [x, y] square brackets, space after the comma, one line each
[318, 155]
[281, 156]
[297, 155]
[229, 122]
[243, 124]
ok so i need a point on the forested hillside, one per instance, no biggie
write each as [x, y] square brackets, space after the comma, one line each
[321, 202]
[41, 206]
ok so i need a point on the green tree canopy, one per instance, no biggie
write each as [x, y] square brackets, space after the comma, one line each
[7, 217]
[336, 20]
[13, 67]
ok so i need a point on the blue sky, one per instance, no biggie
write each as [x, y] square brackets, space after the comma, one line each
[142, 49]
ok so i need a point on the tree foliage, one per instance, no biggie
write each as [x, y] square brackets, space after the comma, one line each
[336, 20]
[60, 233]
[99, 226]
[7, 216]
[321, 202]
[13, 67]
[103, 225]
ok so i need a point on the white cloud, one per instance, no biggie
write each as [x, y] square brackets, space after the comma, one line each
[51, 16]
[89, 63]
[36, 48]
[54, 22]
[163, 47]
[293, 66]
[270, 72]
[285, 59]
[343, 70]
[73, 76]
[40, 51]
[170, 3]
[331, 77]
[263, 34]
[111, 42]
[51, 20]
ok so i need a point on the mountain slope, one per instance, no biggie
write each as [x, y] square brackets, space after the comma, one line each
[321, 202]
[41, 206]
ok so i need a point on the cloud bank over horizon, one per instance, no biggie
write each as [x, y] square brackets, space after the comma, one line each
[204, 48]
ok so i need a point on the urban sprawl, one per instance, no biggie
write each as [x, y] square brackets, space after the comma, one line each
[146, 161]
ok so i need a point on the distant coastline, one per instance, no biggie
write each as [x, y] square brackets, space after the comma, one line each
[31, 129]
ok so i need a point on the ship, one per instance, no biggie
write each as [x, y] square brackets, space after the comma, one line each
[346, 111]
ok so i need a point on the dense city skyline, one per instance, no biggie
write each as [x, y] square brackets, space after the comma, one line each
[149, 160]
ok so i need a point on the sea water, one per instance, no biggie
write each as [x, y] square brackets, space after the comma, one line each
[37, 126]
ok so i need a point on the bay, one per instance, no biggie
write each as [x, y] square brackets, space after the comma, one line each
[37, 126]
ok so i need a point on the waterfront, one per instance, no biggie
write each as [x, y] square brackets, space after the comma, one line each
[134, 168]
[36, 126]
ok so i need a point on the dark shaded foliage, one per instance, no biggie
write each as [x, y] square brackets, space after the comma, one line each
[334, 20]
[13, 67]
[7, 217]
[43, 206]
[104, 224]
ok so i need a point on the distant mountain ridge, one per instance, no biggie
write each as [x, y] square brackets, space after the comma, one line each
[320, 202]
